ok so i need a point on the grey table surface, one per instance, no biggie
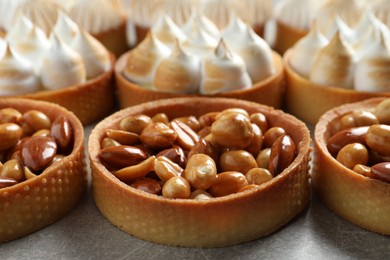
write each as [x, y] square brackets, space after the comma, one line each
[84, 233]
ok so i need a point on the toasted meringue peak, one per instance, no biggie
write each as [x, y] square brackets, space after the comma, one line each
[167, 31]
[99, 16]
[372, 72]
[144, 13]
[61, 66]
[95, 56]
[3, 47]
[369, 31]
[220, 11]
[223, 71]
[200, 43]
[234, 32]
[17, 75]
[305, 50]
[8, 15]
[256, 12]
[65, 28]
[334, 64]
[350, 11]
[33, 46]
[179, 73]
[42, 13]
[22, 27]
[257, 56]
[296, 13]
[144, 59]
[179, 11]
[338, 25]
[198, 22]
[381, 10]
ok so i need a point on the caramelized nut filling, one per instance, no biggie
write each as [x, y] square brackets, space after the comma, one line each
[217, 154]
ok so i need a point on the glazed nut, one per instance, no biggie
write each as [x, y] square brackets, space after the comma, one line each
[271, 135]
[200, 195]
[166, 169]
[28, 174]
[204, 147]
[37, 120]
[205, 131]
[358, 118]
[237, 160]
[42, 132]
[282, 154]
[123, 137]
[347, 136]
[363, 170]
[382, 112]
[262, 158]
[133, 172]
[231, 111]
[37, 152]
[7, 182]
[175, 154]
[13, 169]
[228, 183]
[148, 185]
[108, 142]
[10, 115]
[190, 121]
[186, 137]
[10, 134]
[258, 176]
[232, 131]
[381, 171]
[378, 139]
[353, 154]
[201, 171]
[254, 146]
[177, 188]
[160, 118]
[260, 120]
[158, 136]
[135, 124]
[208, 119]
[122, 156]
[62, 132]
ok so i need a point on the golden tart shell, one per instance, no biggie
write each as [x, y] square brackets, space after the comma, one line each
[308, 101]
[219, 222]
[40, 201]
[286, 36]
[359, 199]
[268, 91]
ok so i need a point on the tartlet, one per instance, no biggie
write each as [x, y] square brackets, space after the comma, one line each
[308, 100]
[361, 200]
[268, 91]
[222, 221]
[286, 36]
[39, 201]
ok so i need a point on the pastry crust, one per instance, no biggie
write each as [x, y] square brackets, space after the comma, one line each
[89, 101]
[286, 37]
[220, 221]
[268, 91]
[35, 203]
[308, 101]
[359, 199]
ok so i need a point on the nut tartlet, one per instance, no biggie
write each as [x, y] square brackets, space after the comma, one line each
[268, 91]
[219, 221]
[308, 100]
[354, 194]
[42, 199]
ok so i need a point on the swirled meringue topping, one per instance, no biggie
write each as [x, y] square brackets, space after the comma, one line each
[372, 72]
[167, 31]
[179, 73]
[197, 22]
[20, 29]
[257, 12]
[59, 61]
[144, 13]
[305, 50]
[381, 9]
[334, 64]
[179, 11]
[223, 71]
[296, 13]
[220, 11]
[100, 16]
[95, 56]
[143, 60]
[234, 32]
[3, 47]
[200, 43]
[17, 75]
[65, 28]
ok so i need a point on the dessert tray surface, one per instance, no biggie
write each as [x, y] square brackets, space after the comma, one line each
[85, 234]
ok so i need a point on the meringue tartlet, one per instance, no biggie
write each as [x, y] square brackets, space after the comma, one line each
[354, 192]
[44, 194]
[217, 222]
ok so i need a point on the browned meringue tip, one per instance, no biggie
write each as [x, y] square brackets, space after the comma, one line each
[308, 101]
[222, 221]
[89, 101]
[359, 199]
[286, 37]
[42, 200]
[267, 92]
